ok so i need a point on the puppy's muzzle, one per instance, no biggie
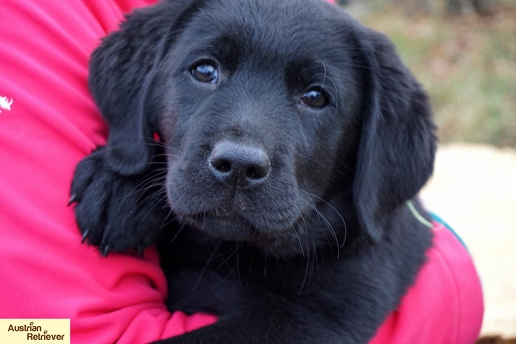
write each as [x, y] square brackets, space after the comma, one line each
[239, 165]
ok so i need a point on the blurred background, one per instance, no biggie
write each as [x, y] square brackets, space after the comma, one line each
[464, 54]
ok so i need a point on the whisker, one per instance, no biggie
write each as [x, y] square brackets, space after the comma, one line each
[210, 258]
[298, 239]
[270, 248]
[323, 218]
[336, 211]
[225, 259]
[309, 158]
[177, 233]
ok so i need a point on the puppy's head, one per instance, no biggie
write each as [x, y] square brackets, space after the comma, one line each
[285, 123]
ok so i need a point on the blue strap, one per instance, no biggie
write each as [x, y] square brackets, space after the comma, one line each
[441, 221]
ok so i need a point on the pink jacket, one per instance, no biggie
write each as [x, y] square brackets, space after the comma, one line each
[48, 122]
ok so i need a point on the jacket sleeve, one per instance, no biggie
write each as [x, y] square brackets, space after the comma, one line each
[445, 304]
[48, 122]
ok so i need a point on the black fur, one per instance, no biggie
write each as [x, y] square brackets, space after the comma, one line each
[286, 217]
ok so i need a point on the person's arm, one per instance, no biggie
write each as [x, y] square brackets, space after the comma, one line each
[48, 122]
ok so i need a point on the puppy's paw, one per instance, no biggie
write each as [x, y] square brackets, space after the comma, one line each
[114, 212]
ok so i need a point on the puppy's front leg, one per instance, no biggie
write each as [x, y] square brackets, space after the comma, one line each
[282, 323]
[114, 212]
[257, 326]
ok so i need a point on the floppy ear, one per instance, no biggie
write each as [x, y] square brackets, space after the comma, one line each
[397, 145]
[122, 71]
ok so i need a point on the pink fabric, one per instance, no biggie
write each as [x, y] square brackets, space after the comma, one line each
[47, 273]
[53, 123]
[445, 306]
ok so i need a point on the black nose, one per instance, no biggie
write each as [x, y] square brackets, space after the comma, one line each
[239, 165]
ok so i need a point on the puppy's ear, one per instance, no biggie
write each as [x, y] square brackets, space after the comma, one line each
[397, 145]
[122, 71]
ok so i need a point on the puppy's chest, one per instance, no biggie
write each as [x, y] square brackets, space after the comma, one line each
[238, 269]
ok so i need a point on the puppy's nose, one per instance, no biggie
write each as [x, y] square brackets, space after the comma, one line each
[239, 165]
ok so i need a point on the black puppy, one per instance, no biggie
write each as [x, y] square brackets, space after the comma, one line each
[270, 147]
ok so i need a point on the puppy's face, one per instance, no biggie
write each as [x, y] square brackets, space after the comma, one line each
[260, 120]
[285, 123]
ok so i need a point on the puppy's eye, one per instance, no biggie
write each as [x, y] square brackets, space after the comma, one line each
[205, 72]
[315, 98]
